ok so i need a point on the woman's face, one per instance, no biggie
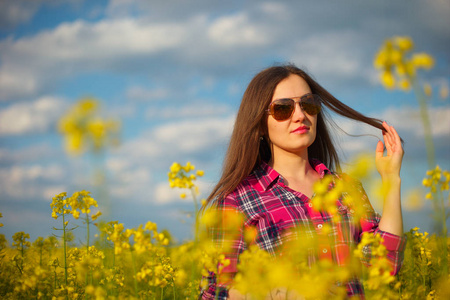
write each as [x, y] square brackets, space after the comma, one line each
[296, 134]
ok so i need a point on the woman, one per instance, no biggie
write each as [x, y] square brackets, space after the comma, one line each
[280, 147]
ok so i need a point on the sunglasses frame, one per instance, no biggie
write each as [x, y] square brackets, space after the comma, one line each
[316, 101]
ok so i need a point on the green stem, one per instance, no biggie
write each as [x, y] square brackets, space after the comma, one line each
[195, 215]
[136, 288]
[87, 234]
[40, 256]
[87, 250]
[65, 254]
[428, 135]
[444, 235]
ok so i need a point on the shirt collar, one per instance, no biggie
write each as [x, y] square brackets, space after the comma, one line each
[266, 175]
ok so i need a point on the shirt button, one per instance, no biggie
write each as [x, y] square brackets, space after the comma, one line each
[324, 250]
[319, 226]
[310, 204]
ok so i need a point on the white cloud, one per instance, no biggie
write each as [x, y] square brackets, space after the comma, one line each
[31, 63]
[16, 12]
[409, 119]
[28, 154]
[180, 137]
[138, 167]
[165, 194]
[144, 94]
[133, 182]
[192, 136]
[195, 109]
[237, 30]
[32, 117]
[35, 181]
[331, 53]
[275, 9]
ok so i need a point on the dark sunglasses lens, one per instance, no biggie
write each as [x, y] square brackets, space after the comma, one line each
[282, 109]
[311, 104]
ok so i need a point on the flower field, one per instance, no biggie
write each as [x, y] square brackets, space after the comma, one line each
[145, 263]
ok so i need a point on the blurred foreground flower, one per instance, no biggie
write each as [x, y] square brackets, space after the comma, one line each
[85, 129]
[399, 66]
[181, 177]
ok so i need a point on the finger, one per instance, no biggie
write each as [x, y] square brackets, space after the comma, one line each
[379, 150]
[397, 140]
[387, 143]
[386, 131]
[390, 138]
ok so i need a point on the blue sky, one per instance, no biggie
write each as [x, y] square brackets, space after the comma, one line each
[173, 72]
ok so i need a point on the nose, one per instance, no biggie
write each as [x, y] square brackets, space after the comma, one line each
[298, 113]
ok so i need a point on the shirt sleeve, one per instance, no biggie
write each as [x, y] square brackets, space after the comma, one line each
[395, 244]
[227, 236]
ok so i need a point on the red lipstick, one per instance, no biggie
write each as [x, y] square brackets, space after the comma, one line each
[301, 130]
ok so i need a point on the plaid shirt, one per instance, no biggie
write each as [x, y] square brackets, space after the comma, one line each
[273, 208]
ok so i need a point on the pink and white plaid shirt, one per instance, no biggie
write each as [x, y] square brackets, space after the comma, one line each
[273, 208]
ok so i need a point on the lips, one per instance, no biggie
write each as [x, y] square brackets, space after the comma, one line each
[300, 130]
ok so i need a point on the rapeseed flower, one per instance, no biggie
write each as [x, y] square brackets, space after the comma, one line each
[398, 66]
[436, 180]
[84, 129]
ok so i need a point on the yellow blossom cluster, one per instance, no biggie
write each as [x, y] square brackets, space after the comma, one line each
[379, 275]
[142, 236]
[255, 268]
[79, 202]
[120, 237]
[84, 128]
[20, 240]
[59, 205]
[331, 188]
[181, 177]
[158, 272]
[436, 179]
[398, 66]
[86, 263]
[156, 268]
[420, 275]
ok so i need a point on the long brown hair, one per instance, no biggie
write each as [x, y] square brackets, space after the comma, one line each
[247, 150]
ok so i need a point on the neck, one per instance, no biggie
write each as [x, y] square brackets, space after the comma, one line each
[292, 165]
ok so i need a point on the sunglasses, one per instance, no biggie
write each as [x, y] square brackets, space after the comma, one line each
[282, 109]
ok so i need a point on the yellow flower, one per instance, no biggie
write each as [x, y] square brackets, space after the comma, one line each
[96, 215]
[422, 60]
[404, 43]
[175, 167]
[395, 54]
[404, 84]
[388, 79]
[84, 129]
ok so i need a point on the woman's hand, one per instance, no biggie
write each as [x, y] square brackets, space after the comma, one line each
[389, 166]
